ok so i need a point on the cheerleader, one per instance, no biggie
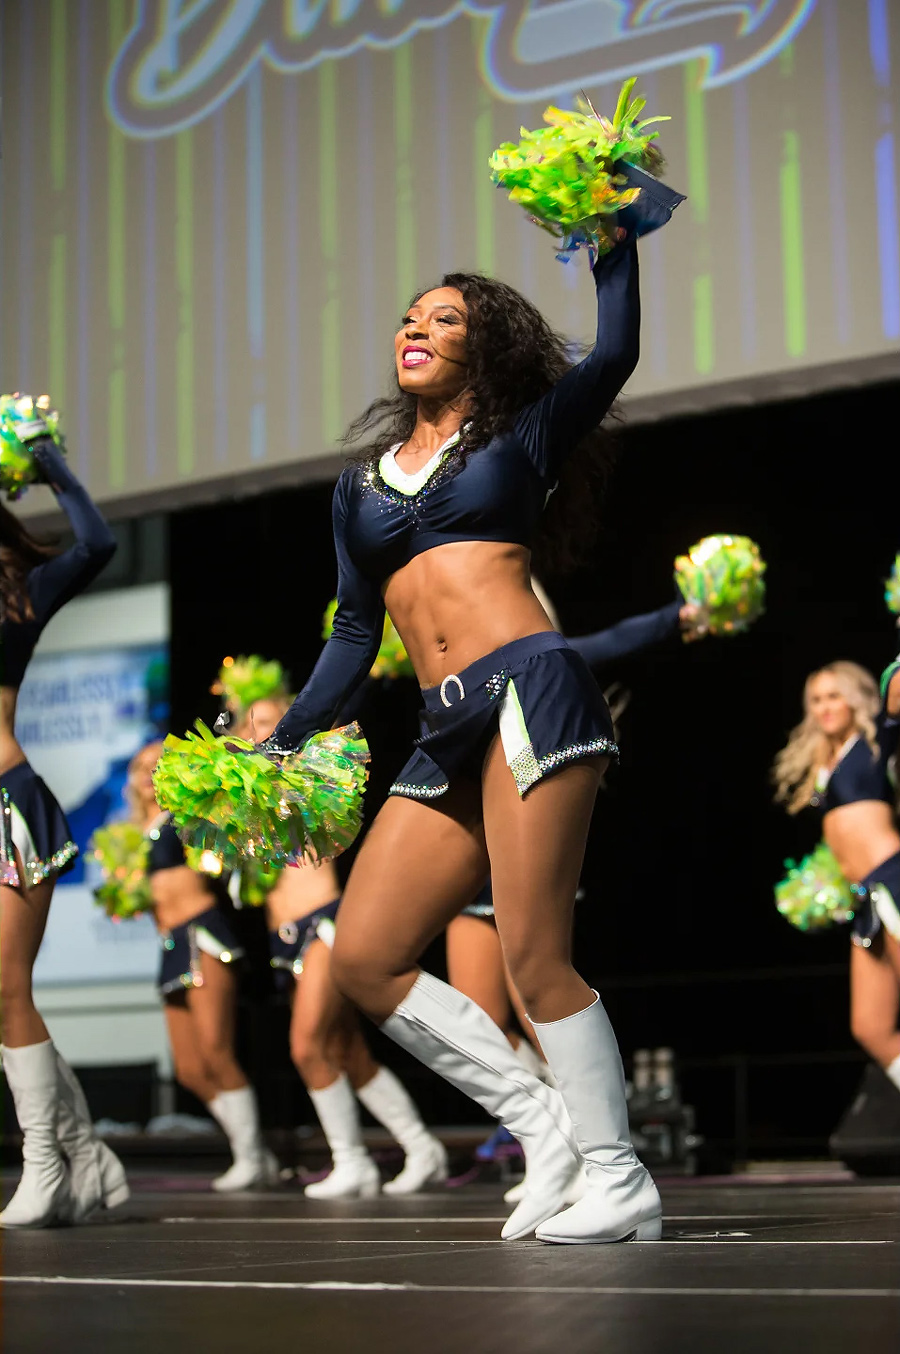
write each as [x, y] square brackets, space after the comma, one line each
[68, 1173]
[328, 1048]
[489, 424]
[198, 982]
[838, 759]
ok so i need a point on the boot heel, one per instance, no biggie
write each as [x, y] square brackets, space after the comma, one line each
[116, 1196]
[651, 1230]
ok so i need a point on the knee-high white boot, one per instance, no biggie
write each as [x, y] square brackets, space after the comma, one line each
[43, 1198]
[528, 1057]
[354, 1174]
[621, 1202]
[96, 1174]
[254, 1165]
[449, 1033]
[388, 1101]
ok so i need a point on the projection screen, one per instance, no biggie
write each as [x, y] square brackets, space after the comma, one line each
[214, 211]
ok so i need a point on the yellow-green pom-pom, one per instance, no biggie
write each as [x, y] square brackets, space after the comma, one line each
[249, 678]
[23, 418]
[568, 175]
[227, 798]
[815, 894]
[892, 588]
[121, 850]
[392, 659]
[722, 576]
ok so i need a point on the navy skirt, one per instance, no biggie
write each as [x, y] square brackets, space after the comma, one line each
[878, 903]
[32, 823]
[289, 944]
[541, 696]
[207, 933]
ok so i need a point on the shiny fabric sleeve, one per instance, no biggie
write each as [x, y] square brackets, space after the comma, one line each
[629, 637]
[349, 652]
[53, 584]
[578, 402]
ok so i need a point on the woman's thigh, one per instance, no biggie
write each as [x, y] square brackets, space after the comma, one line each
[475, 965]
[23, 920]
[874, 992]
[419, 865]
[213, 1006]
[319, 1008]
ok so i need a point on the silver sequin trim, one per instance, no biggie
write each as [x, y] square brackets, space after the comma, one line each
[35, 871]
[494, 685]
[418, 791]
[528, 769]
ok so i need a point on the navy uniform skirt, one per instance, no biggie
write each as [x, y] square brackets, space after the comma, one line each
[207, 933]
[541, 696]
[32, 823]
[878, 903]
[289, 944]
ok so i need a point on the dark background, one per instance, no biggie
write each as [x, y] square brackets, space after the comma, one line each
[678, 927]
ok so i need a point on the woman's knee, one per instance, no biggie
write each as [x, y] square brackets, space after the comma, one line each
[193, 1076]
[15, 989]
[537, 974]
[309, 1048]
[870, 1030]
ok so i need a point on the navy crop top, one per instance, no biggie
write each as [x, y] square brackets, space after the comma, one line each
[62, 577]
[862, 774]
[166, 848]
[498, 494]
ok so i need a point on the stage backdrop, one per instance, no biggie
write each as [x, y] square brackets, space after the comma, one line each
[213, 211]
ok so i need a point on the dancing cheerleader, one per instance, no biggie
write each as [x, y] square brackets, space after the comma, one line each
[328, 1048]
[68, 1173]
[838, 759]
[489, 424]
[198, 983]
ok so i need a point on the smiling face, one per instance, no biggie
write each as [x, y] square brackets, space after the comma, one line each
[829, 707]
[430, 347]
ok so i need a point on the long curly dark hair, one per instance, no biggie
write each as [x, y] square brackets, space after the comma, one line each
[514, 357]
[19, 553]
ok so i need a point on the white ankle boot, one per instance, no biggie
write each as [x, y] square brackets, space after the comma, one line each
[449, 1033]
[96, 1174]
[621, 1202]
[254, 1165]
[388, 1101]
[354, 1174]
[43, 1198]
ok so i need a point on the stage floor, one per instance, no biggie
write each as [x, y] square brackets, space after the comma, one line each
[744, 1265]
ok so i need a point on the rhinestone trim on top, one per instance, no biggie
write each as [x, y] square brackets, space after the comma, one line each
[372, 481]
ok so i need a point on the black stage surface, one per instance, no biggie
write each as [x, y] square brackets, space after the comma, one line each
[745, 1265]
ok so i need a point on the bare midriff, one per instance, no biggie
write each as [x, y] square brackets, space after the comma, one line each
[179, 894]
[301, 890]
[862, 836]
[460, 601]
[11, 753]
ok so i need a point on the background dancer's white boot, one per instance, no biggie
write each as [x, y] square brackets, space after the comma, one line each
[254, 1165]
[43, 1197]
[354, 1174]
[449, 1033]
[621, 1202]
[388, 1101]
[96, 1175]
[528, 1056]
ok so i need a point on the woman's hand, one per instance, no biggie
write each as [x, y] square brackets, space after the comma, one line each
[693, 622]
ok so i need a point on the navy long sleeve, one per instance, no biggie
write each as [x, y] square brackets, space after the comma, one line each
[53, 584]
[629, 637]
[350, 650]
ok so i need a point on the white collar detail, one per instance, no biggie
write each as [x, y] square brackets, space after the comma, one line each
[402, 480]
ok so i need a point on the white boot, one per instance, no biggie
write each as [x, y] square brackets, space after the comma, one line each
[254, 1164]
[621, 1202]
[528, 1056]
[96, 1174]
[354, 1174]
[449, 1033]
[388, 1101]
[43, 1198]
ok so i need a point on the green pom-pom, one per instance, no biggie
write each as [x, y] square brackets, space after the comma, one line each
[23, 418]
[249, 678]
[228, 798]
[568, 175]
[815, 894]
[892, 588]
[392, 659]
[256, 881]
[121, 849]
[723, 577]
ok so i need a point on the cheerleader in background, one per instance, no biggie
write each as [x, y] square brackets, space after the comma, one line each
[68, 1173]
[328, 1048]
[198, 983]
[838, 759]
